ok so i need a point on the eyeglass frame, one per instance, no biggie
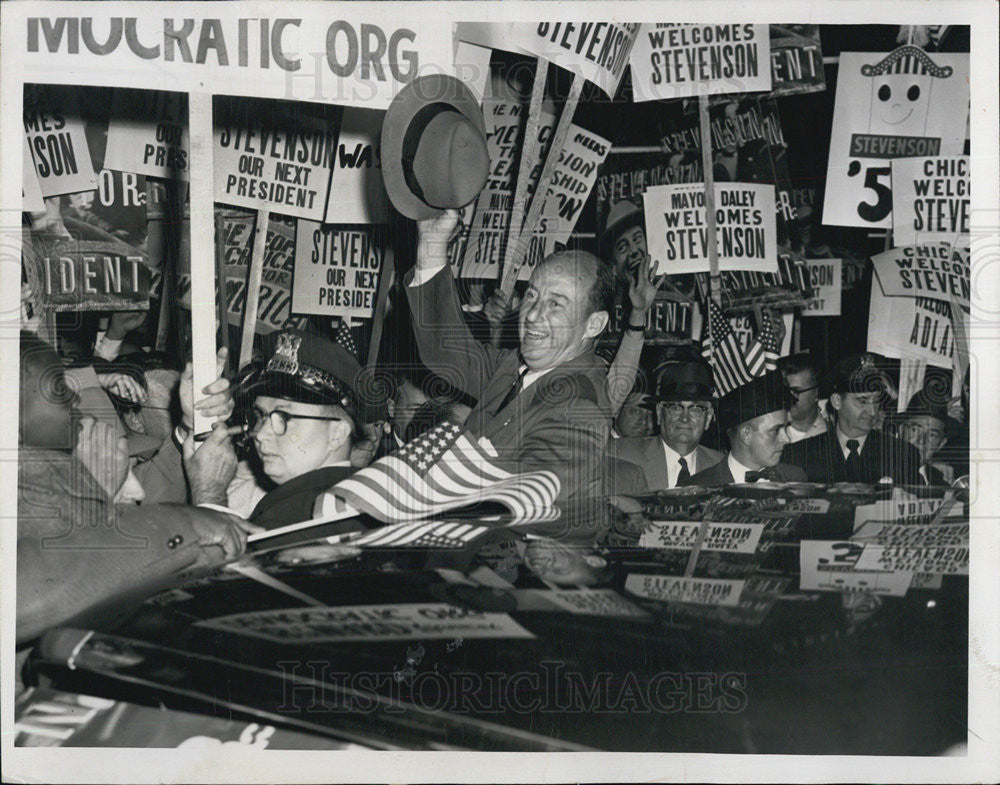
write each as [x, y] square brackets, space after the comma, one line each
[256, 423]
[690, 409]
[797, 391]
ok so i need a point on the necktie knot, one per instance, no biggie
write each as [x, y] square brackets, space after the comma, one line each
[685, 473]
[853, 445]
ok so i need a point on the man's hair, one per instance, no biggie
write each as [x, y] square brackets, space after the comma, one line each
[601, 296]
[797, 363]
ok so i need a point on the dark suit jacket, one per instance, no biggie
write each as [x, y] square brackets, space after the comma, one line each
[560, 423]
[720, 474]
[293, 501]
[647, 453]
[881, 456]
[624, 478]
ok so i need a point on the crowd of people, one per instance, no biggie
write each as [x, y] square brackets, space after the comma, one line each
[109, 461]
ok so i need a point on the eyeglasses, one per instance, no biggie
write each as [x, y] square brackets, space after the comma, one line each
[675, 410]
[279, 420]
[796, 391]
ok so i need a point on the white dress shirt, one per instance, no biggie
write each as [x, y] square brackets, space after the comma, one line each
[739, 471]
[843, 443]
[673, 463]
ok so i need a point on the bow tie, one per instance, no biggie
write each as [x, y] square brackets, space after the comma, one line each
[763, 474]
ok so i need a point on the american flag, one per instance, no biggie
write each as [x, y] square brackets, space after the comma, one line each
[345, 339]
[442, 469]
[422, 534]
[721, 347]
[762, 354]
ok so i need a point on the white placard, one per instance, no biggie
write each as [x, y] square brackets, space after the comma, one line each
[682, 60]
[728, 537]
[942, 560]
[930, 200]
[939, 272]
[336, 269]
[902, 509]
[674, 588]
[910, 327]
[826, 282]
[828, 565]
[32, 200]
[57, 143]
[357, 191]
[148, 134]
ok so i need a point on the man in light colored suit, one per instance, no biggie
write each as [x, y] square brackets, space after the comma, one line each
[684, 411]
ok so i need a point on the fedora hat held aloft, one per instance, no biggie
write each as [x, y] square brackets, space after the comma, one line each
[434, 154]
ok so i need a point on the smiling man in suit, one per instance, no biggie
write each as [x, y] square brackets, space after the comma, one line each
[684, 410]
[755, 419]
[853, 450]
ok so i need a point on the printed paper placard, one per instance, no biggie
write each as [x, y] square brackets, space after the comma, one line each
[357, 192]
[336, 269]
[938, 272]
[698, 591]
[269, 156]
[796, 60]
[808, 506]
[593, 602]
[148, 134]
[32, 200]
[930, 200]
[826, 282]
[946, 560]
[829, 565]
[903, 104]
[427, 621]
[913, 535]
[683, 60]
[902, 510]
[913, 327]
[57, 143]
[89, 275]
[677, 231]
[298, 51]
[728, 537]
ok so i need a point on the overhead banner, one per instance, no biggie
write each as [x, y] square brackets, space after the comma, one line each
[930, 200]
[683, 60]
[272, 155]
[355, 55]
[903, 104]
[148, 134]
[796, 60]
[677, 231]
[336, 269]
[938, 272]
[57, 140]
[826, 283]
[596, 51]
[357, 195]
[915, 328]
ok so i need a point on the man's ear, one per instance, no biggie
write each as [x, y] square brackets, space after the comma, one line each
[745, 431]
[596, 323]
[133, 419]
[340, 432]
[708, 417]
[836, 400]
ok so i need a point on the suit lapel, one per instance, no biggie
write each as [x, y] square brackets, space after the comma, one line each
[655, 463]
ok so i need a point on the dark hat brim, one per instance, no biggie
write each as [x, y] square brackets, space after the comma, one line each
[291, 388]
[421, 92]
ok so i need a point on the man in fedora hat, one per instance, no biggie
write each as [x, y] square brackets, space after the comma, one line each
[927, 427]
[545, 405]
[853, 450]
[683, 406]
[754, 417]
[624, 237]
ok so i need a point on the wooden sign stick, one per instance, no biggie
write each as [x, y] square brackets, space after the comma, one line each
[714, 289]
[221, 315]
[202, 251]
[252, 305]
[511, 270]
[388, 276]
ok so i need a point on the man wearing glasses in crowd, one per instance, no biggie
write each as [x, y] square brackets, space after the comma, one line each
[684, 411]
[805, 417]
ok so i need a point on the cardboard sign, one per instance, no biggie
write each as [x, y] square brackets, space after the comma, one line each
[902, 510]
[412, 621]
[58, 143]
[913, 535]
[683, 60]
[911, 327]
[938, 272]
[673, 588]
[298, 51]
[742, 290]
[796, 60]
[593, 602]
[357, 194]
[826, 282]
[32, 200]
[148, 134]
[728, 537]
[930, 200]
[677, 232]
[282, 161]
[88, 275]
[903, 109]
[808, 506]
[336, 269]
[831, 566]
[940, 560]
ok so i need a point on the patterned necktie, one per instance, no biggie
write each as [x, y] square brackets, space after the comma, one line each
[514, 390]
[763, 474]
[853, 462]
[684, 473]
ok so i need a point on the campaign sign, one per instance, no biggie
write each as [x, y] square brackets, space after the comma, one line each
[88, 275]
[910, 327]
[336, 269]
[57, 142]
[357, 195]
[914, 535]
[937, 272]
[825, 281]
[682, 60]
[903, 104]
[828, 565]
[930, 200]
[728, 537]
[677, 231]
[148, 134]
[673, 588]
[932, 560]
[908, 509]
[796, 60]
[271, 155]
[411, 621]
[592, 602]
[32, 200]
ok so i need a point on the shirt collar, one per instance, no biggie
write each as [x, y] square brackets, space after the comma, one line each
[843, 442]
[737, 469]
